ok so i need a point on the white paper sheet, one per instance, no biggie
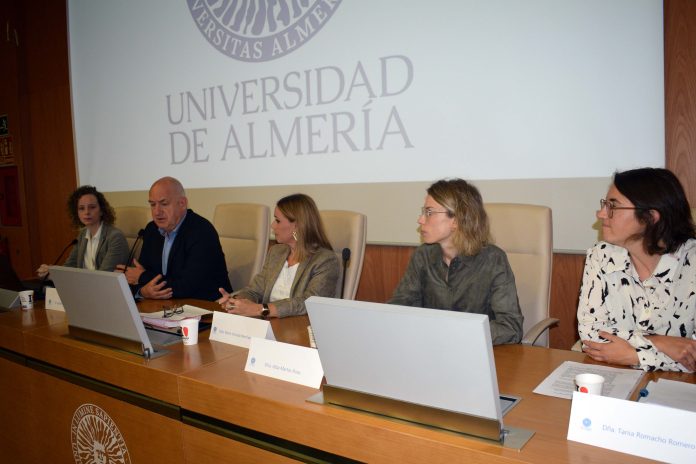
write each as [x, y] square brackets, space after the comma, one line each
[618, 383]
[680, 395]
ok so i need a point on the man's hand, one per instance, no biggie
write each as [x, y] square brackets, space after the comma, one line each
[225, 298]
[132, 272]
[156, 289]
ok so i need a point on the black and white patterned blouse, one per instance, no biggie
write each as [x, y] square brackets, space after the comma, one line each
[613, 299]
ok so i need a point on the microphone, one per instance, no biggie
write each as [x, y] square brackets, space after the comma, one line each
[68, 246]
[346, 257]
[141, 232]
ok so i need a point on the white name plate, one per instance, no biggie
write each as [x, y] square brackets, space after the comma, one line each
[646, 430]
[283, 361]
[53, 300]
[238, 330]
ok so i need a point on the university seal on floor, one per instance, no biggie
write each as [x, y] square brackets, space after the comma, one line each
[95, 437]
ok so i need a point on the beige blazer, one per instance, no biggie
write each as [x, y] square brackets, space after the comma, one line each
[316, 275]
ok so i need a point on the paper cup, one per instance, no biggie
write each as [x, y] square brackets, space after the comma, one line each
[589, 383]
[26, 298]
[189, 331]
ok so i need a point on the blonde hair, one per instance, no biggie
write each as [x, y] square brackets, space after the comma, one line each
[463, 202]
[301, 210]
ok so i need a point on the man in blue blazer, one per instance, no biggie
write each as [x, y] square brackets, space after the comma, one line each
[181, 255]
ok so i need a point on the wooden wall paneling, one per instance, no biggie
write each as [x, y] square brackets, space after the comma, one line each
[680, 92]
[565, 288]
[10, 53]
[383, 267]
[49, 155]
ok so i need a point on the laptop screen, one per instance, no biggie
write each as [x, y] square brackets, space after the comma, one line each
[100, 308]
[8, 277]
[435, 358]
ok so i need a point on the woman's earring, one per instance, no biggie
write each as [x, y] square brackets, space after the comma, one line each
[294, 234]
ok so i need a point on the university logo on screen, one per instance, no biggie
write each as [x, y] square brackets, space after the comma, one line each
[95, 437]
[260, 30]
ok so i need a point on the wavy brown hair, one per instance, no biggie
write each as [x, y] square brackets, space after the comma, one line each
[301, 210]
[108, 214]
[464, 203]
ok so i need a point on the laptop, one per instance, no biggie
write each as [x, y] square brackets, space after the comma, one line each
[10, 282]
[9, 299]
[8, 276]
[429, 363]
[10, 285]
[100, 308]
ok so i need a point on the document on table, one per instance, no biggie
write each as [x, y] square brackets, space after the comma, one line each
[618, 383]
[680, 395]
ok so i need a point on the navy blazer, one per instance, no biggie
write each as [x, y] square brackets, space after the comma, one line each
[196, 267]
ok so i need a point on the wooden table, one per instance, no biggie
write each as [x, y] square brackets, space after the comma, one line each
[197, 405]
[54, 375]
[281, 410]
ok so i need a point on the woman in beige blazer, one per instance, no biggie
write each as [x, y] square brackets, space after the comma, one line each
[302, 264]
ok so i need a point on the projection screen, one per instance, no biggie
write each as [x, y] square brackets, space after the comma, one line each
[537, 101]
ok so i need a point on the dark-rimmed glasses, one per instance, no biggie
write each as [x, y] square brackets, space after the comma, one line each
[168, 311]
[610, 207]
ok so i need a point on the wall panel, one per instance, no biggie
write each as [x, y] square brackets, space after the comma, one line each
[49, 153]
[680, 92]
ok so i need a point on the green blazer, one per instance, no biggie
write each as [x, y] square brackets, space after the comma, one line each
[316, 275]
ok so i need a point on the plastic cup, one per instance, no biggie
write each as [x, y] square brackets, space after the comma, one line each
[189, 331]
[589, 383]
[26, 298]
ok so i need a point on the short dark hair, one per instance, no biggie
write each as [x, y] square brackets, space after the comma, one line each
[108, 214]
[659, 190]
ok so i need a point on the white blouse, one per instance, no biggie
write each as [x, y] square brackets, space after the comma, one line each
[283, 284]
[91, 249]
[613, 299]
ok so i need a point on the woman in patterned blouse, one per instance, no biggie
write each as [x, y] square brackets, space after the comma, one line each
[638, 295]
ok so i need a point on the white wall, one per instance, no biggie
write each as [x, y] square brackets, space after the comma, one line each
[392, 208]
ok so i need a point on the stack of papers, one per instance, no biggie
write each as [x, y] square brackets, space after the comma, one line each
[618, 383]
[156, 319]
[680, 395]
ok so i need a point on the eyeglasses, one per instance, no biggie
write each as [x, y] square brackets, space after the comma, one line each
[610, 207]
[171, 311]
[427, 212]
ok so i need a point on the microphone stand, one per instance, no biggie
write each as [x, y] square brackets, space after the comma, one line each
[345, 254]
[131, 254]
[69, 245]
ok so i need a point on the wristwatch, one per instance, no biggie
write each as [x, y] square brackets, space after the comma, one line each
[265, 311]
